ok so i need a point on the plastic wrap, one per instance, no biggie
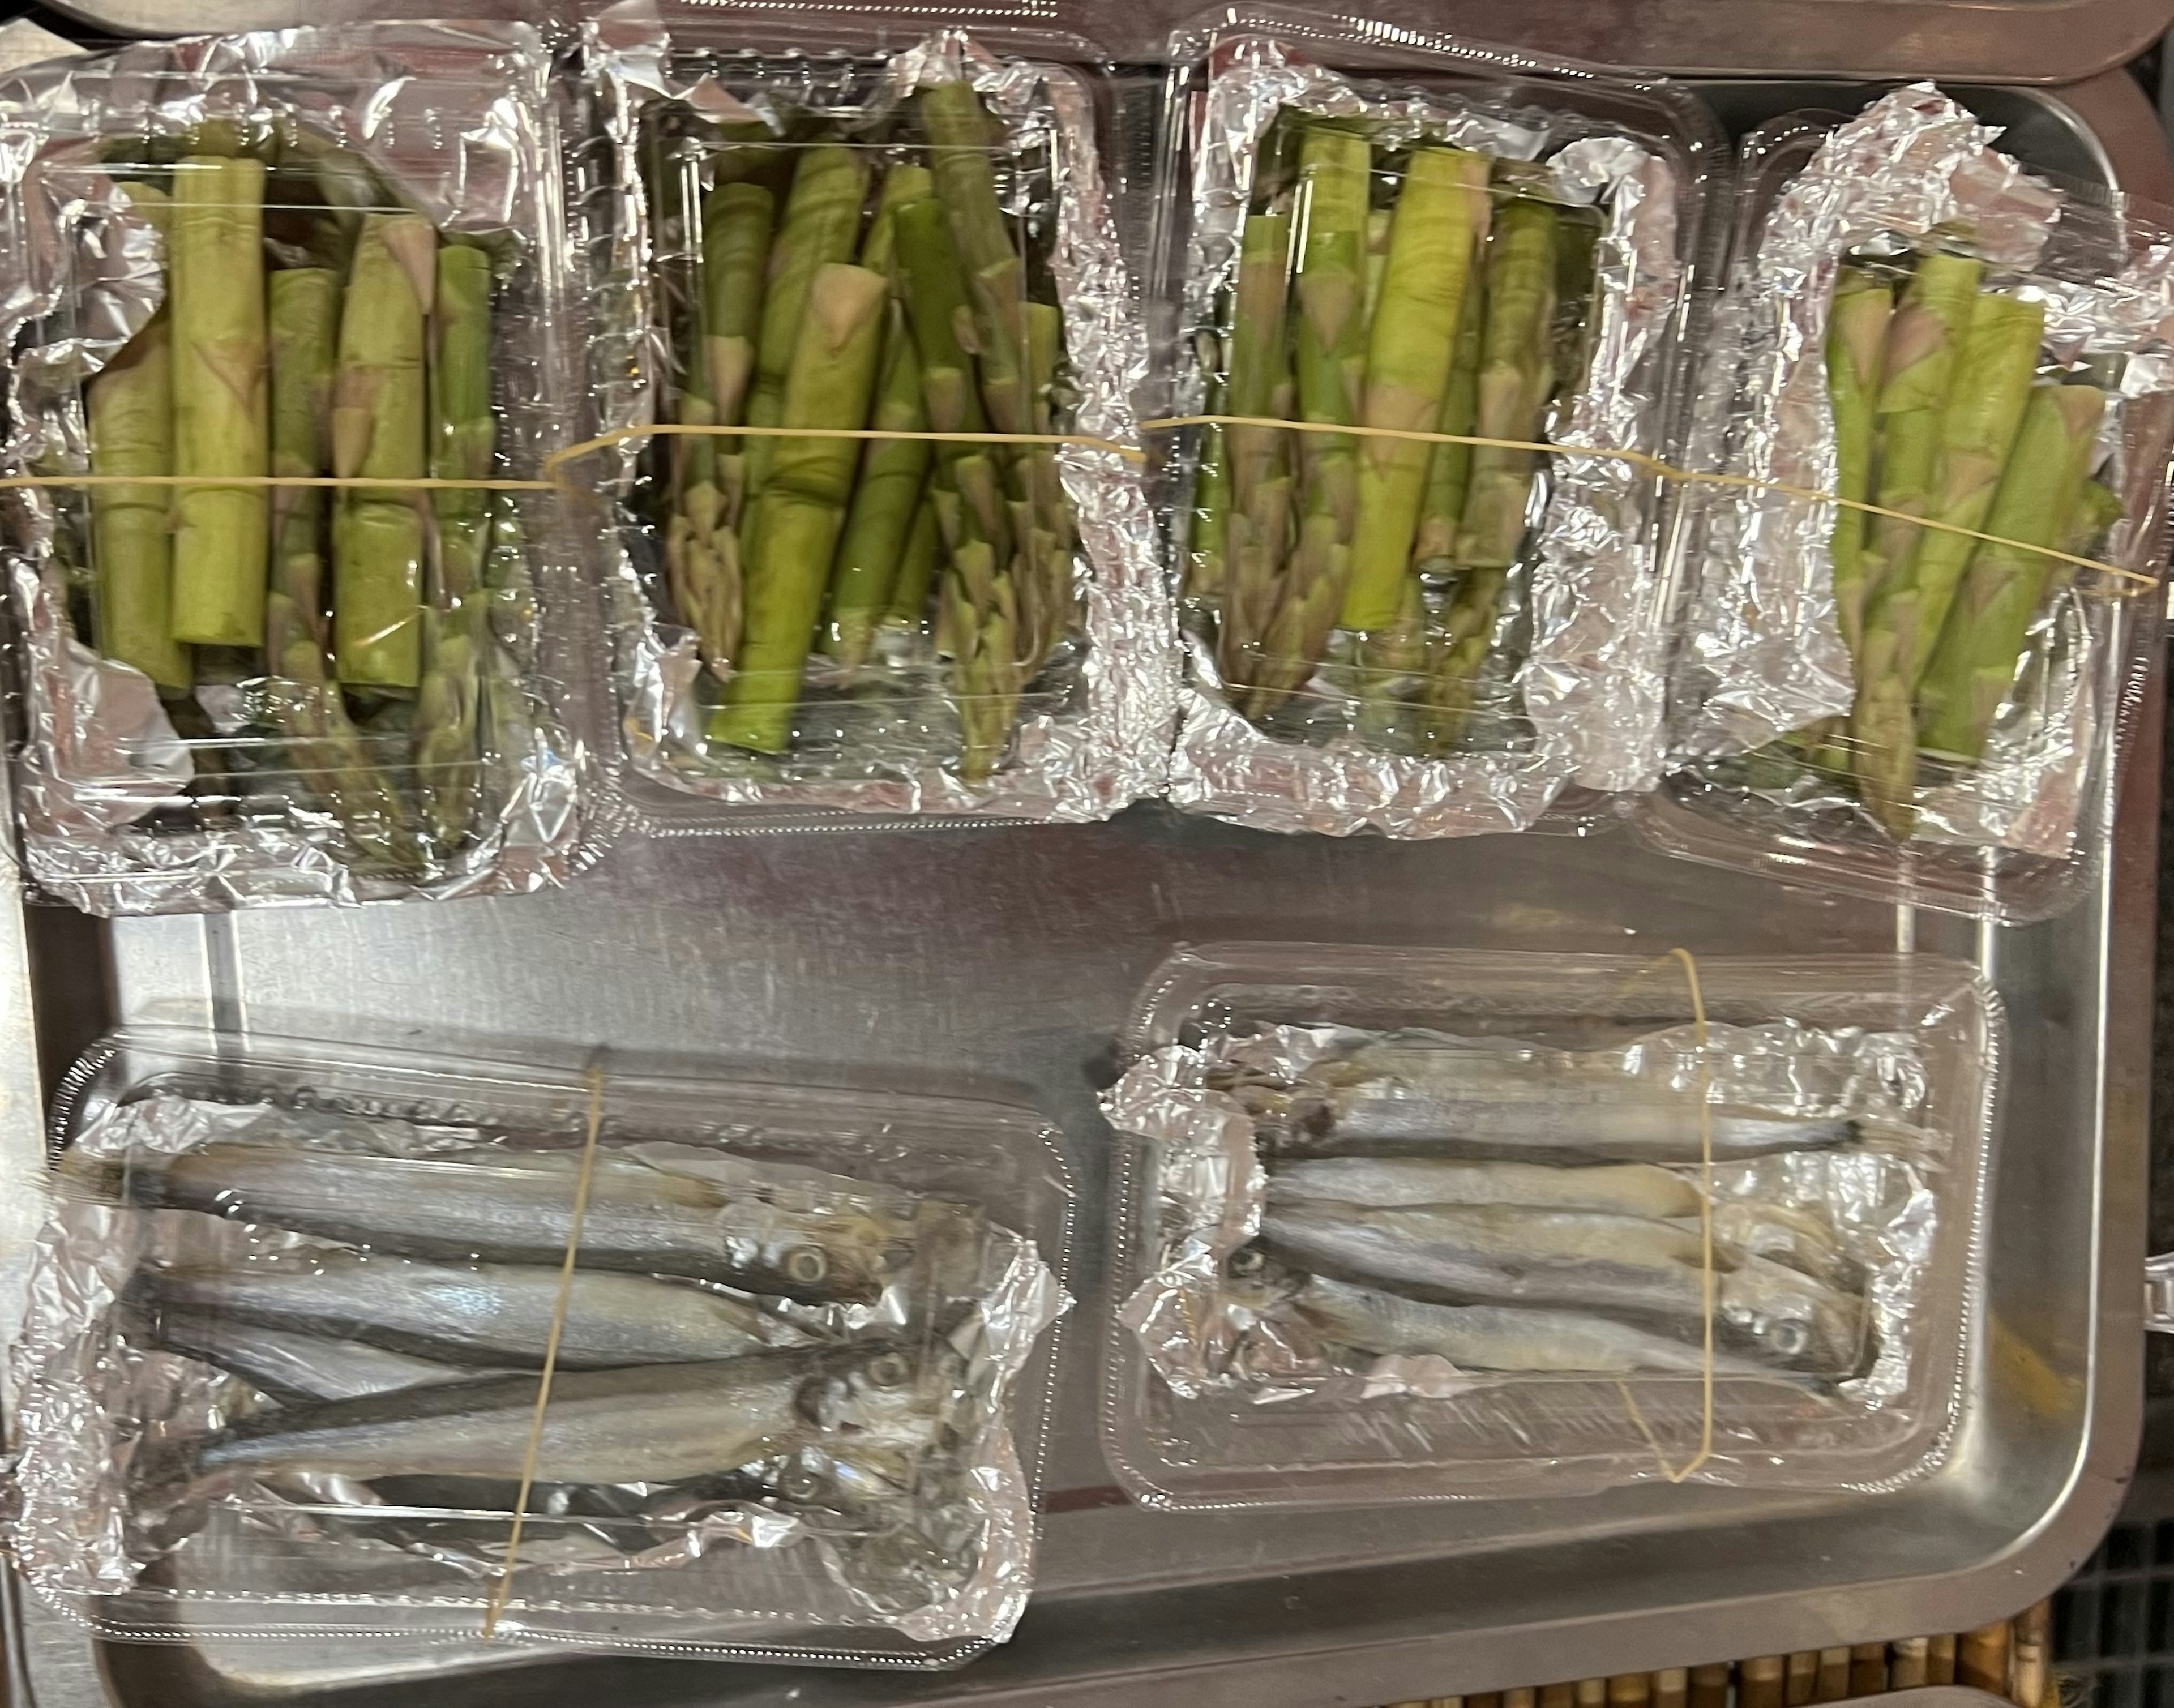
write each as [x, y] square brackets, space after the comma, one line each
[431, 742]
[1406, 1225]
[286, 1322]
[1042, 689]
[1508, 660]
[1782, 759]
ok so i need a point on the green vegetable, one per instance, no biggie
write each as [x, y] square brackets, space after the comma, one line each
[305, 331]
[380, 408]
[131, 417]
[1441, 216]
[1259, 457]
[221, 411]
[821, 224]
[1857, 334]
[1449, 466]
[1517, 377]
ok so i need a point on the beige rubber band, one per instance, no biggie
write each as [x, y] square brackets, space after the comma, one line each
[502, 1589]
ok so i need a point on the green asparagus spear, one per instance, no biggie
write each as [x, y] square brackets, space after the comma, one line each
[917, 569]
[1207, 547]
[892, 470]
[1330, 364]
[463, 444]
[820, 229]
[1974, 665]
[305, 306]
[130, 410]
[1992, 384]
[1259, 457]
[801, 506]
[1380, 223]
[379, 407]
[1449, 467]
[960, 141]
[1917, 366]
[1517, 377]
[1857, 334]
[221, 411]
[1440, 219]
[735, 246]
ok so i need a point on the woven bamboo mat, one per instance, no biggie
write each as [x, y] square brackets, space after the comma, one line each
[2009, 1658]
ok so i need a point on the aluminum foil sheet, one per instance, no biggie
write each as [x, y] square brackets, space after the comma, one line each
[1252, 1375]
[674, 1564]
[1585, 612]
[1094, 729]
[457, 115]
[1762, 654]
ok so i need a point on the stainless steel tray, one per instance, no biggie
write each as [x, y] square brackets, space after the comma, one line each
[2041, 41]
[1013, 954]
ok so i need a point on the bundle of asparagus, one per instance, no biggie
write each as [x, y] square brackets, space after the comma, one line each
[1456, 305]
[311, 326]
[830, 282]
[1946, 406]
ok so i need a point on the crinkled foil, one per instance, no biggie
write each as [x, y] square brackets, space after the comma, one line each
[1762, 653]
[1094, 730]
[95, 1396]
[1592, 680]
[457, 115]
[1237, 1357]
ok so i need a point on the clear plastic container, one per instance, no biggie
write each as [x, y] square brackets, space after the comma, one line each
[1357, 663]
[228, 1370]
[1852, 1102]
[1781, 760]
[395, 694]
[987, 633]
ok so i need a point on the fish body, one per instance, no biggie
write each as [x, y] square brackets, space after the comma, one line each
[512, 1208]
[485, 1314]
[652, 1424]
[1633, 1189]
[293, 1367]
[1616, 1266]
[1489, 1336]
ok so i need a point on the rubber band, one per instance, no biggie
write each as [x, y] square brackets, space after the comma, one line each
[604, 442]
[503, 1588]
[1684, 958]
[1654, 465]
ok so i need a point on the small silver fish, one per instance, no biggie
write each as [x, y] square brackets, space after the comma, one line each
[488, 1314]
[1630, 1189]
[515, 1207]
[1493, 1336]
[1576, 1260]
[294, 1367]
[649, 1424]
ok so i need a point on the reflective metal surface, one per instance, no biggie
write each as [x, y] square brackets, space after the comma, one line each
[1013, 954]
[2004, 41]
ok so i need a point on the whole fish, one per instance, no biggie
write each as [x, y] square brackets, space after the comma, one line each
[508, 1207]
[293, 1367]
[489, 1314]
[1630, 1189]
[1576, 1260]
[1493, 1336]
[649, 1423]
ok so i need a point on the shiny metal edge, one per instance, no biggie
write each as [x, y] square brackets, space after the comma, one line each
[2021, 41]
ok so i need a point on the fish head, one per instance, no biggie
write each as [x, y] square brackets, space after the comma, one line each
[820, 1257]
[887, 1394]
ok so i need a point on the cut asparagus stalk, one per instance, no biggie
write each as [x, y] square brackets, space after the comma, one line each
[820, 227]
[380, 406]
[131, 417]
[1517, 377]
[305, 331]
[892, 470]
[1441, 216]
[221, 410]
[1974, 665]
[1857, 335]
[801, 508]
[1917, 366]
[1259, 457]
[1992, 384]
[1449, 467]
[463, 441]
[1329, 362]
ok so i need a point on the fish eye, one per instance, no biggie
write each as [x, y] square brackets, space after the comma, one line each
[889, 1370]
[1791, 1339]
[806, 1265]
[802, 1483]
[1245, 1263]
